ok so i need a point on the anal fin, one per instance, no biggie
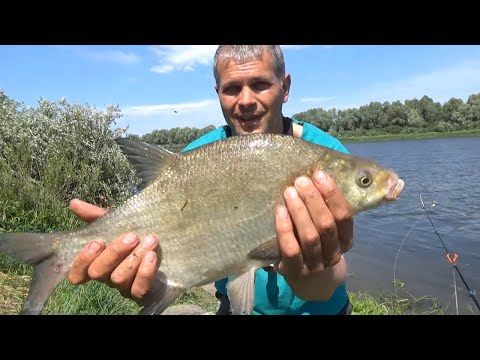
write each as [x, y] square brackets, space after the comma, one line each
[241, 289]
[241, 292]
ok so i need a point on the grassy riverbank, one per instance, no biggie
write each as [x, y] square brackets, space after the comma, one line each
[428, 135]
[95, 298]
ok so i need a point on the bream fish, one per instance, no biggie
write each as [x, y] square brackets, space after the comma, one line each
[212, 209]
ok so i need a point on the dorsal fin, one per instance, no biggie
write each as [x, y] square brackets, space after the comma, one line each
[148, 160]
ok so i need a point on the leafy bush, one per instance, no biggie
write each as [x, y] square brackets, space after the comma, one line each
[54, 153]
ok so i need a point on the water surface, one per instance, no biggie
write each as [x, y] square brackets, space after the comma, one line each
[445, 171]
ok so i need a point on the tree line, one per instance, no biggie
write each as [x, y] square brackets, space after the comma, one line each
[412, 116]
[174, 139]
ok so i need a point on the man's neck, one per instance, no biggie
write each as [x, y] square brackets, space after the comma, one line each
[297, 130]
[287, 126]
[292, 128]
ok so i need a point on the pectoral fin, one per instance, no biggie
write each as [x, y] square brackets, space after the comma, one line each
[160, 297]
[267, 251]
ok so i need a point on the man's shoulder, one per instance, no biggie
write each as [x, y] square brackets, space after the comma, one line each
[320, 137]
[211, 136]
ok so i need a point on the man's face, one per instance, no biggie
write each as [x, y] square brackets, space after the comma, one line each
[251, 96]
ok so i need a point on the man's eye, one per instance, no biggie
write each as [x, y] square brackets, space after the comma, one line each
[231, 90]
[262, 85]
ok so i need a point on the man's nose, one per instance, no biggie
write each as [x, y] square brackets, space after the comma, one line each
[247, 97]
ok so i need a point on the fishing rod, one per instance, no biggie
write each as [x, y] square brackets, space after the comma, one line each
[453, 260]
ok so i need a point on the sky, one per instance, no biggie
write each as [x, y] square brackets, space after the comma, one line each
[167, 86]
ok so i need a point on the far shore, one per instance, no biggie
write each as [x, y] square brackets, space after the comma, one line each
[414, 136]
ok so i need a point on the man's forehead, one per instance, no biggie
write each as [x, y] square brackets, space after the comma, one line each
[230, 69]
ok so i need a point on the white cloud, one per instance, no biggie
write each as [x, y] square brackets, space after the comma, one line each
[459, 80]
[152, 110]
[115, 56]
[294, 47]
[319, 99]
[187, 57]
[301, 47]
[181, 57]
[100, 54]
[146, 118]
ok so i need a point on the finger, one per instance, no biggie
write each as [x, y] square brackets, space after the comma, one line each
[308, 234]
[145, 276]
[323, 221]
[78, 273]
[86, 211]
[123, 276]
[111, 257]
[292, 261]
[339, 207]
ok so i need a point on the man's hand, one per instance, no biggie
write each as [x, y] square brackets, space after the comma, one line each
[126, 263]
[314, 230]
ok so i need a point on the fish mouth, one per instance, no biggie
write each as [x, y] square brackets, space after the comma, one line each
[395, 189]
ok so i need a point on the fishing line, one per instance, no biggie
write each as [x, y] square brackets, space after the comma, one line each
[450, 259]
[398, 253]
[455, 290]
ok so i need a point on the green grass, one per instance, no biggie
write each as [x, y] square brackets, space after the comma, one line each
[385, 303]
[94, 298]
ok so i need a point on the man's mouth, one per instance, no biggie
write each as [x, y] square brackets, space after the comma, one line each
[250, 118]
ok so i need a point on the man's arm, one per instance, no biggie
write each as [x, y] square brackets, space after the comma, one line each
[112, 264]
[312, 262]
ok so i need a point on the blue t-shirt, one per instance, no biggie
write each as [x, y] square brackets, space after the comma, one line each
[273, 296]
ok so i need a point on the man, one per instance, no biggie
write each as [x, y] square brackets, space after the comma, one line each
[314, 229]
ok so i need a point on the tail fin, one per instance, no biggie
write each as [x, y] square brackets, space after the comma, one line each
[36, 250]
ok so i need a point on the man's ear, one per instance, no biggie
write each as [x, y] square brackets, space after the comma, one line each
[286, 87]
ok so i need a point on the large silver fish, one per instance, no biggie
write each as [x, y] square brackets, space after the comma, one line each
[212, 209]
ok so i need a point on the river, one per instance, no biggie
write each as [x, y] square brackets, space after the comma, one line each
[446, 172]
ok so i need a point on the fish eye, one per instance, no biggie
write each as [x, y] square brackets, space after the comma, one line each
[364, 180]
